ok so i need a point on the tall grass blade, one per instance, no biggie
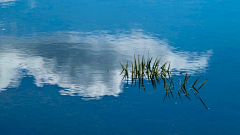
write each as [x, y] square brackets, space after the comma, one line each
[122, 65]
[165, 96]
[203, 102]
[193, 86]
[202, 84]
[126, 70]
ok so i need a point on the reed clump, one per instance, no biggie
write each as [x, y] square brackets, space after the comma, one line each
[154, 73]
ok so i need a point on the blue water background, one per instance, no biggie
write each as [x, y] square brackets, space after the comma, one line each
[54, 57]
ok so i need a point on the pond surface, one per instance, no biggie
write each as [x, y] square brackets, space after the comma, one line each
[59, 66]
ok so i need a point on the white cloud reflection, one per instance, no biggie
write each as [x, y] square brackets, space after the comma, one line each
[77, 61]
[136, 42]
[5, 3]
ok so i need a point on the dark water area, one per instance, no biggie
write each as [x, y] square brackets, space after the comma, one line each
[59, 66]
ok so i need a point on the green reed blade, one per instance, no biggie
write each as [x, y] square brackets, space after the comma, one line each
[169, 67]
[143, 65]
[164, 82]
[136, 70]
[165, 96]
[202, 102]
[186, 79]
[139, 83]
[158, 61]
[184, 83]
[181, 73]
[143, 60]
[132, 73]
[195, 82]
[194, 94]
[123, 77]
[127, 83]
[140, 69]
[149, 64]
[143, 68]
[195, 89]
[171, 93]
[144, 89]
[168, 70]
[167, 88]
[158, 70]
[163, 66]
[153, 83]
[121, 72]
[184, 87]
[132, 69]
[187, 97]
[194, 85]
[158, 81]
[139, 66]
[122, 66]
[202, 84]
[186, 76]
[155, 62]
[168, 95]
[148, 71]
[126, 69]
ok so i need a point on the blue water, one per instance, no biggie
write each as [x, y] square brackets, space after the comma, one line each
[54, 57]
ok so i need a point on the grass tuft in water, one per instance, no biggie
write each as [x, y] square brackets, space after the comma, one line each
[156, 74]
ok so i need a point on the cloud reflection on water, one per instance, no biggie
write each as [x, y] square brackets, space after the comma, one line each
[5, 3]
[78, 61]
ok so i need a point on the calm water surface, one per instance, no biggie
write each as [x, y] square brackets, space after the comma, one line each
[54, 57]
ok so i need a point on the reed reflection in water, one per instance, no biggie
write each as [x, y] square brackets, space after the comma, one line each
[142, 69]
[78, 61]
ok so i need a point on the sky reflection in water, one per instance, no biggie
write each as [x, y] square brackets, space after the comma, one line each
[78, 61]
[6, 3]
[54, 48]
